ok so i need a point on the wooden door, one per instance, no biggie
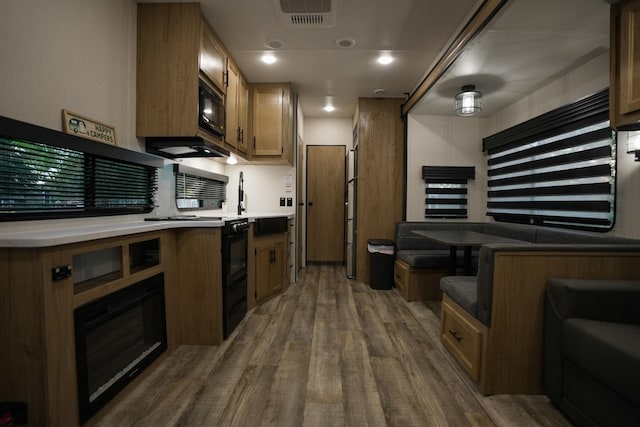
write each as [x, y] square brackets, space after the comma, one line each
[325, 203]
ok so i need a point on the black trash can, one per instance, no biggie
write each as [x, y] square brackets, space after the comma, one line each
[381, 255]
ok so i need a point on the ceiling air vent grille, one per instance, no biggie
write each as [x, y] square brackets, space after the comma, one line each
[307, 19]
[306, 13]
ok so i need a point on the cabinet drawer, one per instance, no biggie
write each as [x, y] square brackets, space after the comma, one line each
[401, 276]
[461, 338]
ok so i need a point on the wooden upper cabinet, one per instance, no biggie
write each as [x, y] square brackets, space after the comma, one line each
[213, 58]
[243, 114]
[175, 47]
[624, 96]
[233, 128]
[237, 108]
[272, 120]
[168, 48]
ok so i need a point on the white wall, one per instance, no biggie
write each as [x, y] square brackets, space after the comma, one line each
[444, 141]
[263, 187]
[81, 57]
[330, 131]
[74, 55]
[584, 81]
[70, 55]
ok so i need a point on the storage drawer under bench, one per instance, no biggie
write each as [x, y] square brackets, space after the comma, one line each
[461, 336]
[418, 284]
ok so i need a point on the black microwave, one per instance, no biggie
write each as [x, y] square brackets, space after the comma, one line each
[211, 114]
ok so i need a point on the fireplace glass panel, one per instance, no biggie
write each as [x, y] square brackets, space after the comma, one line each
[116, 338]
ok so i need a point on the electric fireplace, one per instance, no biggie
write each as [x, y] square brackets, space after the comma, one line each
[117, 337]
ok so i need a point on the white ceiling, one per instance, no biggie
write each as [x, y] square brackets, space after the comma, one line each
[526, 45]
[530, 42]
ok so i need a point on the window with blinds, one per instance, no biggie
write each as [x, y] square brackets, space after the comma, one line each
[199, 189]
[557, 169]
[41, 181]
[446, 190]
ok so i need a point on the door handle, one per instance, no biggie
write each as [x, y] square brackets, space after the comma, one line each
[310, 203]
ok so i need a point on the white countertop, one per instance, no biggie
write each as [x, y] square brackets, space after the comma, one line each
[66, 235]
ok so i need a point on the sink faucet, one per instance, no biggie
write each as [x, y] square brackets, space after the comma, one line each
[241, 195]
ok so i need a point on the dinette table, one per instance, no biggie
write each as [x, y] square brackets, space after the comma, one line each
[466, 239]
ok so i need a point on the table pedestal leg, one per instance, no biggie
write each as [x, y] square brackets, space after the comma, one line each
[453, 260]
[467, 260]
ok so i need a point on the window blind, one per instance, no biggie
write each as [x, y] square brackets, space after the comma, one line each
[199, 189]
[557, 169]
[446, 190]
[39, 181]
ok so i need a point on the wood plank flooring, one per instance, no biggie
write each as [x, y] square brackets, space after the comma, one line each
[327, 352]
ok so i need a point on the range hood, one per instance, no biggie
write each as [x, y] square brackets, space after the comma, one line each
[183, 147]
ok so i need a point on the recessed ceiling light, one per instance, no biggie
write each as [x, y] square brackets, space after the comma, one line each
[268, 58]
[275, 44]
[379, 92]
[385, 59]
[329, 108]
[345, 43]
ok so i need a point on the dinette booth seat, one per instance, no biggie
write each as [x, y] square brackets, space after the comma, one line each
[421, 262]
[501, 310]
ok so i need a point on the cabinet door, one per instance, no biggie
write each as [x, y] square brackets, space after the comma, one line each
[267, 121]
[270, 263]
[233, 130]
[213, 60]
[243, 114]
[630, 58]
[278, 266]
[264, 256]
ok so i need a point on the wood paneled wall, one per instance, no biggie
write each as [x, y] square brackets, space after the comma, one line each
[380, 174]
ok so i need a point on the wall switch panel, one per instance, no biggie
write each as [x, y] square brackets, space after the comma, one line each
[289, 201]
[281, 201]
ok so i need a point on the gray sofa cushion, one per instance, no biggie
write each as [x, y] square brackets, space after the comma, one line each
[526, 233]
[463, 290]
[407, 240]
[596, 299]
[610, 352]
[431, 258]
[556, 235]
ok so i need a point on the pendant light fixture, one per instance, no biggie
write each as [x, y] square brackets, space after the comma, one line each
[468, 102]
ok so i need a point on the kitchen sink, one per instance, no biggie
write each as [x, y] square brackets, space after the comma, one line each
[272, 225]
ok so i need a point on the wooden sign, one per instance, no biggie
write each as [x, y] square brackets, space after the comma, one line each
[84, 127]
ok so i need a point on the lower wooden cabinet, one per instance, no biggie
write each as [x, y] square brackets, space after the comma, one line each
[270, 265]
[417, 284]
[461, 337]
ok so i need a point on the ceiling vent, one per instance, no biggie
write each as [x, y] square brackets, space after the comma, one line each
[306, 13]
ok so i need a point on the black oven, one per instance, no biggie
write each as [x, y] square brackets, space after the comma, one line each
[234, 274]
[211, 114]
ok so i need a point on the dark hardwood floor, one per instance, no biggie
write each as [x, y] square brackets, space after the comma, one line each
[329, 351]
